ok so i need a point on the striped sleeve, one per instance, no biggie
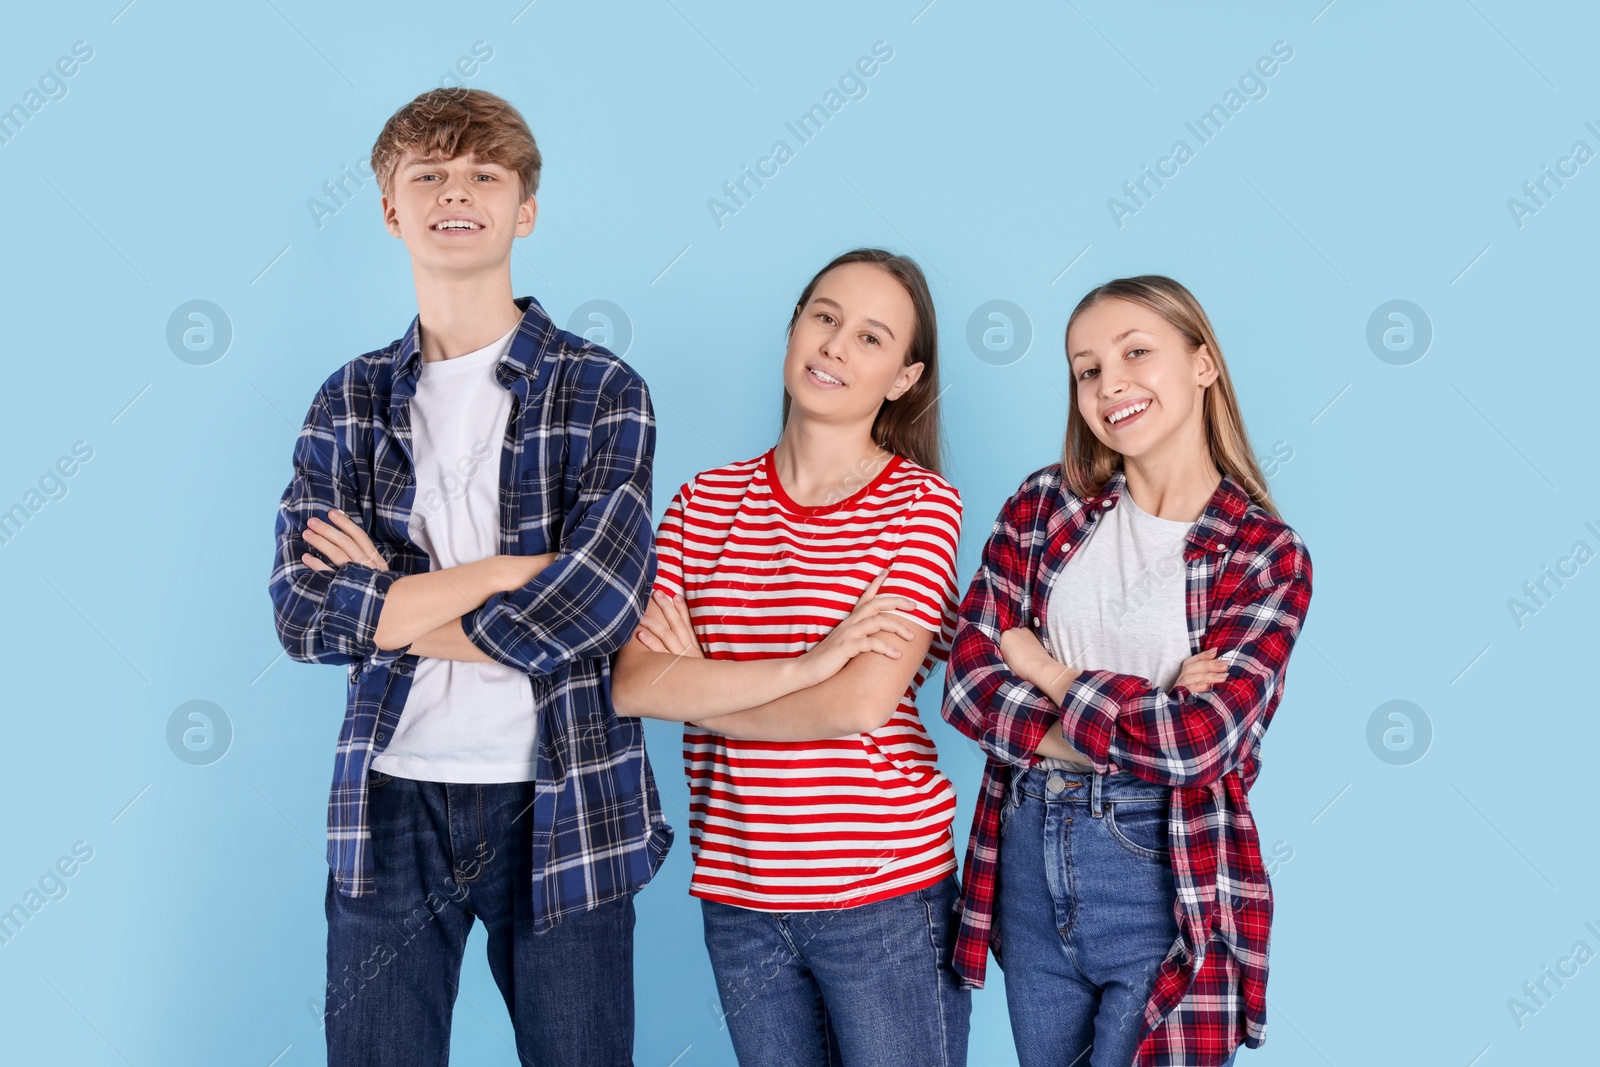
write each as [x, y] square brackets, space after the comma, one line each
[924, 565]
[669, 545]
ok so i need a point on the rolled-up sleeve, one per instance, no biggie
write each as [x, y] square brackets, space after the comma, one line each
[327, 616]
[1188, 739]
[587, 602]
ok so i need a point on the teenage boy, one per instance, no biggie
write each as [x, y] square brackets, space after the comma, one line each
[469, 530]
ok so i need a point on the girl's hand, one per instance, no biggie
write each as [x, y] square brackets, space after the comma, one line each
[857, 633]
[1201, 671]
[1024, 653]
[665, 627]
[342, 542]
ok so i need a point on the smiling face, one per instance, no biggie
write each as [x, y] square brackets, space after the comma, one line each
[1137, 385]
[458, 215]
[848, 345]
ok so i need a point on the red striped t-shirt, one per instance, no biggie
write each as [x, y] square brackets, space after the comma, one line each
[809, 825]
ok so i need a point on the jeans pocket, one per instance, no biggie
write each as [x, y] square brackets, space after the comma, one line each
[377, 778]
[941, 903]
[1009, 803]
[1140, 827]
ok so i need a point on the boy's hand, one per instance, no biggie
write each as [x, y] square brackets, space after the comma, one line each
[342, 542]
[1201, 671]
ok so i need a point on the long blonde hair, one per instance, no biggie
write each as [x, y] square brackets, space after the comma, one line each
[1087, 463]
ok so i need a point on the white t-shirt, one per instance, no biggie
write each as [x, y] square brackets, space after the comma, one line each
[1119, 603]
[462, 722]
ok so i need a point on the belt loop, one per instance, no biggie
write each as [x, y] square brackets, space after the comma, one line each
[1096, 808]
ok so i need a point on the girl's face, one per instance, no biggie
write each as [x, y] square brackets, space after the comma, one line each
[1136, 383]
[848, 346]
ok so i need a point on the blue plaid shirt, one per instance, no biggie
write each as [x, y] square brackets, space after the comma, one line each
[575, 479]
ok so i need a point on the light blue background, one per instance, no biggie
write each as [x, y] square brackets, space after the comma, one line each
[179, 166]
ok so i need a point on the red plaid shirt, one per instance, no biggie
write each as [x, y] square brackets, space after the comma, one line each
[1248, 578]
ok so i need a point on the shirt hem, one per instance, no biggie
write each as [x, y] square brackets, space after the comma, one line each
[456, 773]
[764, 904]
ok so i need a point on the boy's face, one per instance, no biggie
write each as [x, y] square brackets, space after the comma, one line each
[479, 201]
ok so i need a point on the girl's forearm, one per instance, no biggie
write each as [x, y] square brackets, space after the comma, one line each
[859, 699]
[660, 685]
[806, 715]
[1055, 744]
[1042, 671]
[1052, 678]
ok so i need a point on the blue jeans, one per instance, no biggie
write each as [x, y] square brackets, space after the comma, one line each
[445, 854]
[869, 986]
[1085, 913]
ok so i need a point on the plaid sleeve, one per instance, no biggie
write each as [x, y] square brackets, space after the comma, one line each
[983, 699]
[322, 616]
[1192, 739]
[586, 603]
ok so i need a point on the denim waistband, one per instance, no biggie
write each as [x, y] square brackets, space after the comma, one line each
[1058, 786]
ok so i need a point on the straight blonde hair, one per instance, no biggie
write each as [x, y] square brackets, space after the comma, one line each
[1087, 463]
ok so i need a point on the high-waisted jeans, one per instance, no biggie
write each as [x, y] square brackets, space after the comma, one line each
[1085, 913]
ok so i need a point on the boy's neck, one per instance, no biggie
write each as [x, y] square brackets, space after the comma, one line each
[458, 315]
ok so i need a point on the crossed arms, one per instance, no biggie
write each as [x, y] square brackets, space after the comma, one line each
[849, 683]
[532, 613]
[1004, 691]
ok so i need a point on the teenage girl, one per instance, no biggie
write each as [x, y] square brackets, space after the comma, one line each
[1114, 865]
[801, 599]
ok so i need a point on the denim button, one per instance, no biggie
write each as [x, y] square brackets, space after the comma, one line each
[1055, 784]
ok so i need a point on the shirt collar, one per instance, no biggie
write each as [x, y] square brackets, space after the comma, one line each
[531, 345]
[1218, 524]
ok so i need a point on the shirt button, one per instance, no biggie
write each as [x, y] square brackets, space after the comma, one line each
[382, 735]
[1105, 503]
[1036, 620]
[1219, 546]
[1055, 784]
